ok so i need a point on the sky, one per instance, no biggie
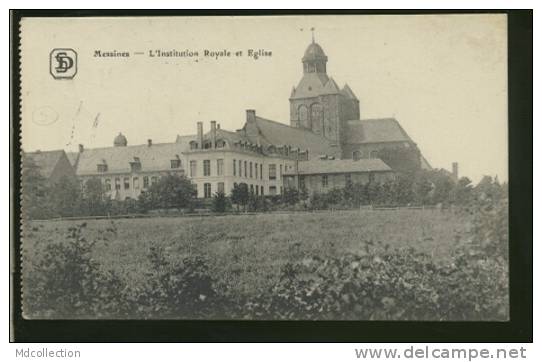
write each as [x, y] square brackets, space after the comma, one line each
[443, 77]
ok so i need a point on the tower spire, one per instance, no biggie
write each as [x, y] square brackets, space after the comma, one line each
[312, 30]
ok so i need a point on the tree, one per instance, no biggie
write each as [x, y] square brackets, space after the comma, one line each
[240, 195]
[35, 191]
[489, 189]
[94, 198]
[290, 196]
[171, 191]
[462, 192]
[442, 185]
[65, 196]
[220, 202]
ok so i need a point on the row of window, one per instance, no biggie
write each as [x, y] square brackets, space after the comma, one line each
[249, 169]
[135, 166]
[257, 190]
[206, 168]
[325, 180]
[126, 184]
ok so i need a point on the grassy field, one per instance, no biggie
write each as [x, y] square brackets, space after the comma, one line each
[246, 252]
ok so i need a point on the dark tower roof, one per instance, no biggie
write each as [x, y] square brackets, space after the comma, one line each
[314, 52]
[120, 141]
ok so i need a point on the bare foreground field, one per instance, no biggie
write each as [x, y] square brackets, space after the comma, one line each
[247, 253]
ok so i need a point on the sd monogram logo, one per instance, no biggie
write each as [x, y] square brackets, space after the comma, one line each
[63, 63]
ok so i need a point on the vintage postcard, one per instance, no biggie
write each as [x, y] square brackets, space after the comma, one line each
[326, 167]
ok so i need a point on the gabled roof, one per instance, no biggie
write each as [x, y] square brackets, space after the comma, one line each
[375, 130]
[46, 160]
[330, 87]
[318, 166]
[73, 157]
[275, 133]
[347, 92]
[310, 85]
[156, 157]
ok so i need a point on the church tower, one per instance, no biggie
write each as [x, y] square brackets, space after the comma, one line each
[317, 103]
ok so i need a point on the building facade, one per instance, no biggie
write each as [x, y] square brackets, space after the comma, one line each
[325, 145]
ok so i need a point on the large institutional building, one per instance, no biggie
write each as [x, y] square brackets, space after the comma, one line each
[325, 145]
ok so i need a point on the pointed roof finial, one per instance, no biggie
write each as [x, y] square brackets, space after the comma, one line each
[312, 30]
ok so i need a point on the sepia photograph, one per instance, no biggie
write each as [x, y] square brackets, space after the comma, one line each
[265, 168]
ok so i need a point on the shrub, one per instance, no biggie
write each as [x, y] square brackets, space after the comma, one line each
[398, 285]
[177, 289]
[68, 283]
[220, 202]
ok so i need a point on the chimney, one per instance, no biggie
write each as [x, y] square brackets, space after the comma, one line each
[81, 148]
[149, 142]
[200, 134]
[251, 115]
[455, 170]
[213, 134]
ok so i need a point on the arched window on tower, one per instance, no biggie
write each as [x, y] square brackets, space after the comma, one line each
[317, 118]
[356, 155]
[374, 154]
[303, 114]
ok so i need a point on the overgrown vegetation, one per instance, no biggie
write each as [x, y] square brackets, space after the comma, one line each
[426, 265]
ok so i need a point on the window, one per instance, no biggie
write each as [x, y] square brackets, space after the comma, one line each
[102, 168]
[175, 163]
[257, 190]
[371, 177]
[107, 184]
[250, 164]
[281, 190]
[251, 189]
[261, 172]
[135, 166]
[154, 180]
[220, 167]
[207, 168]
[324, 181]
[356, 155]
[272, 190]
[234, 168]
[240, 168]
[280, 171]
[245, 168]
[117, 183]
[302, 182]
[374, 154]
[348, 178]
[193, 168]
[220, 187]
[261, 190]
[126, 183]
[193, 145]
[207, 190]
[273, 172]
[256, 170]
[145, 182]
[136, 182]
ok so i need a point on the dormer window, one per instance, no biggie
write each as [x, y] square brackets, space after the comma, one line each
[135, 165]
[102, 166]
[193, 145]
[176, 162]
